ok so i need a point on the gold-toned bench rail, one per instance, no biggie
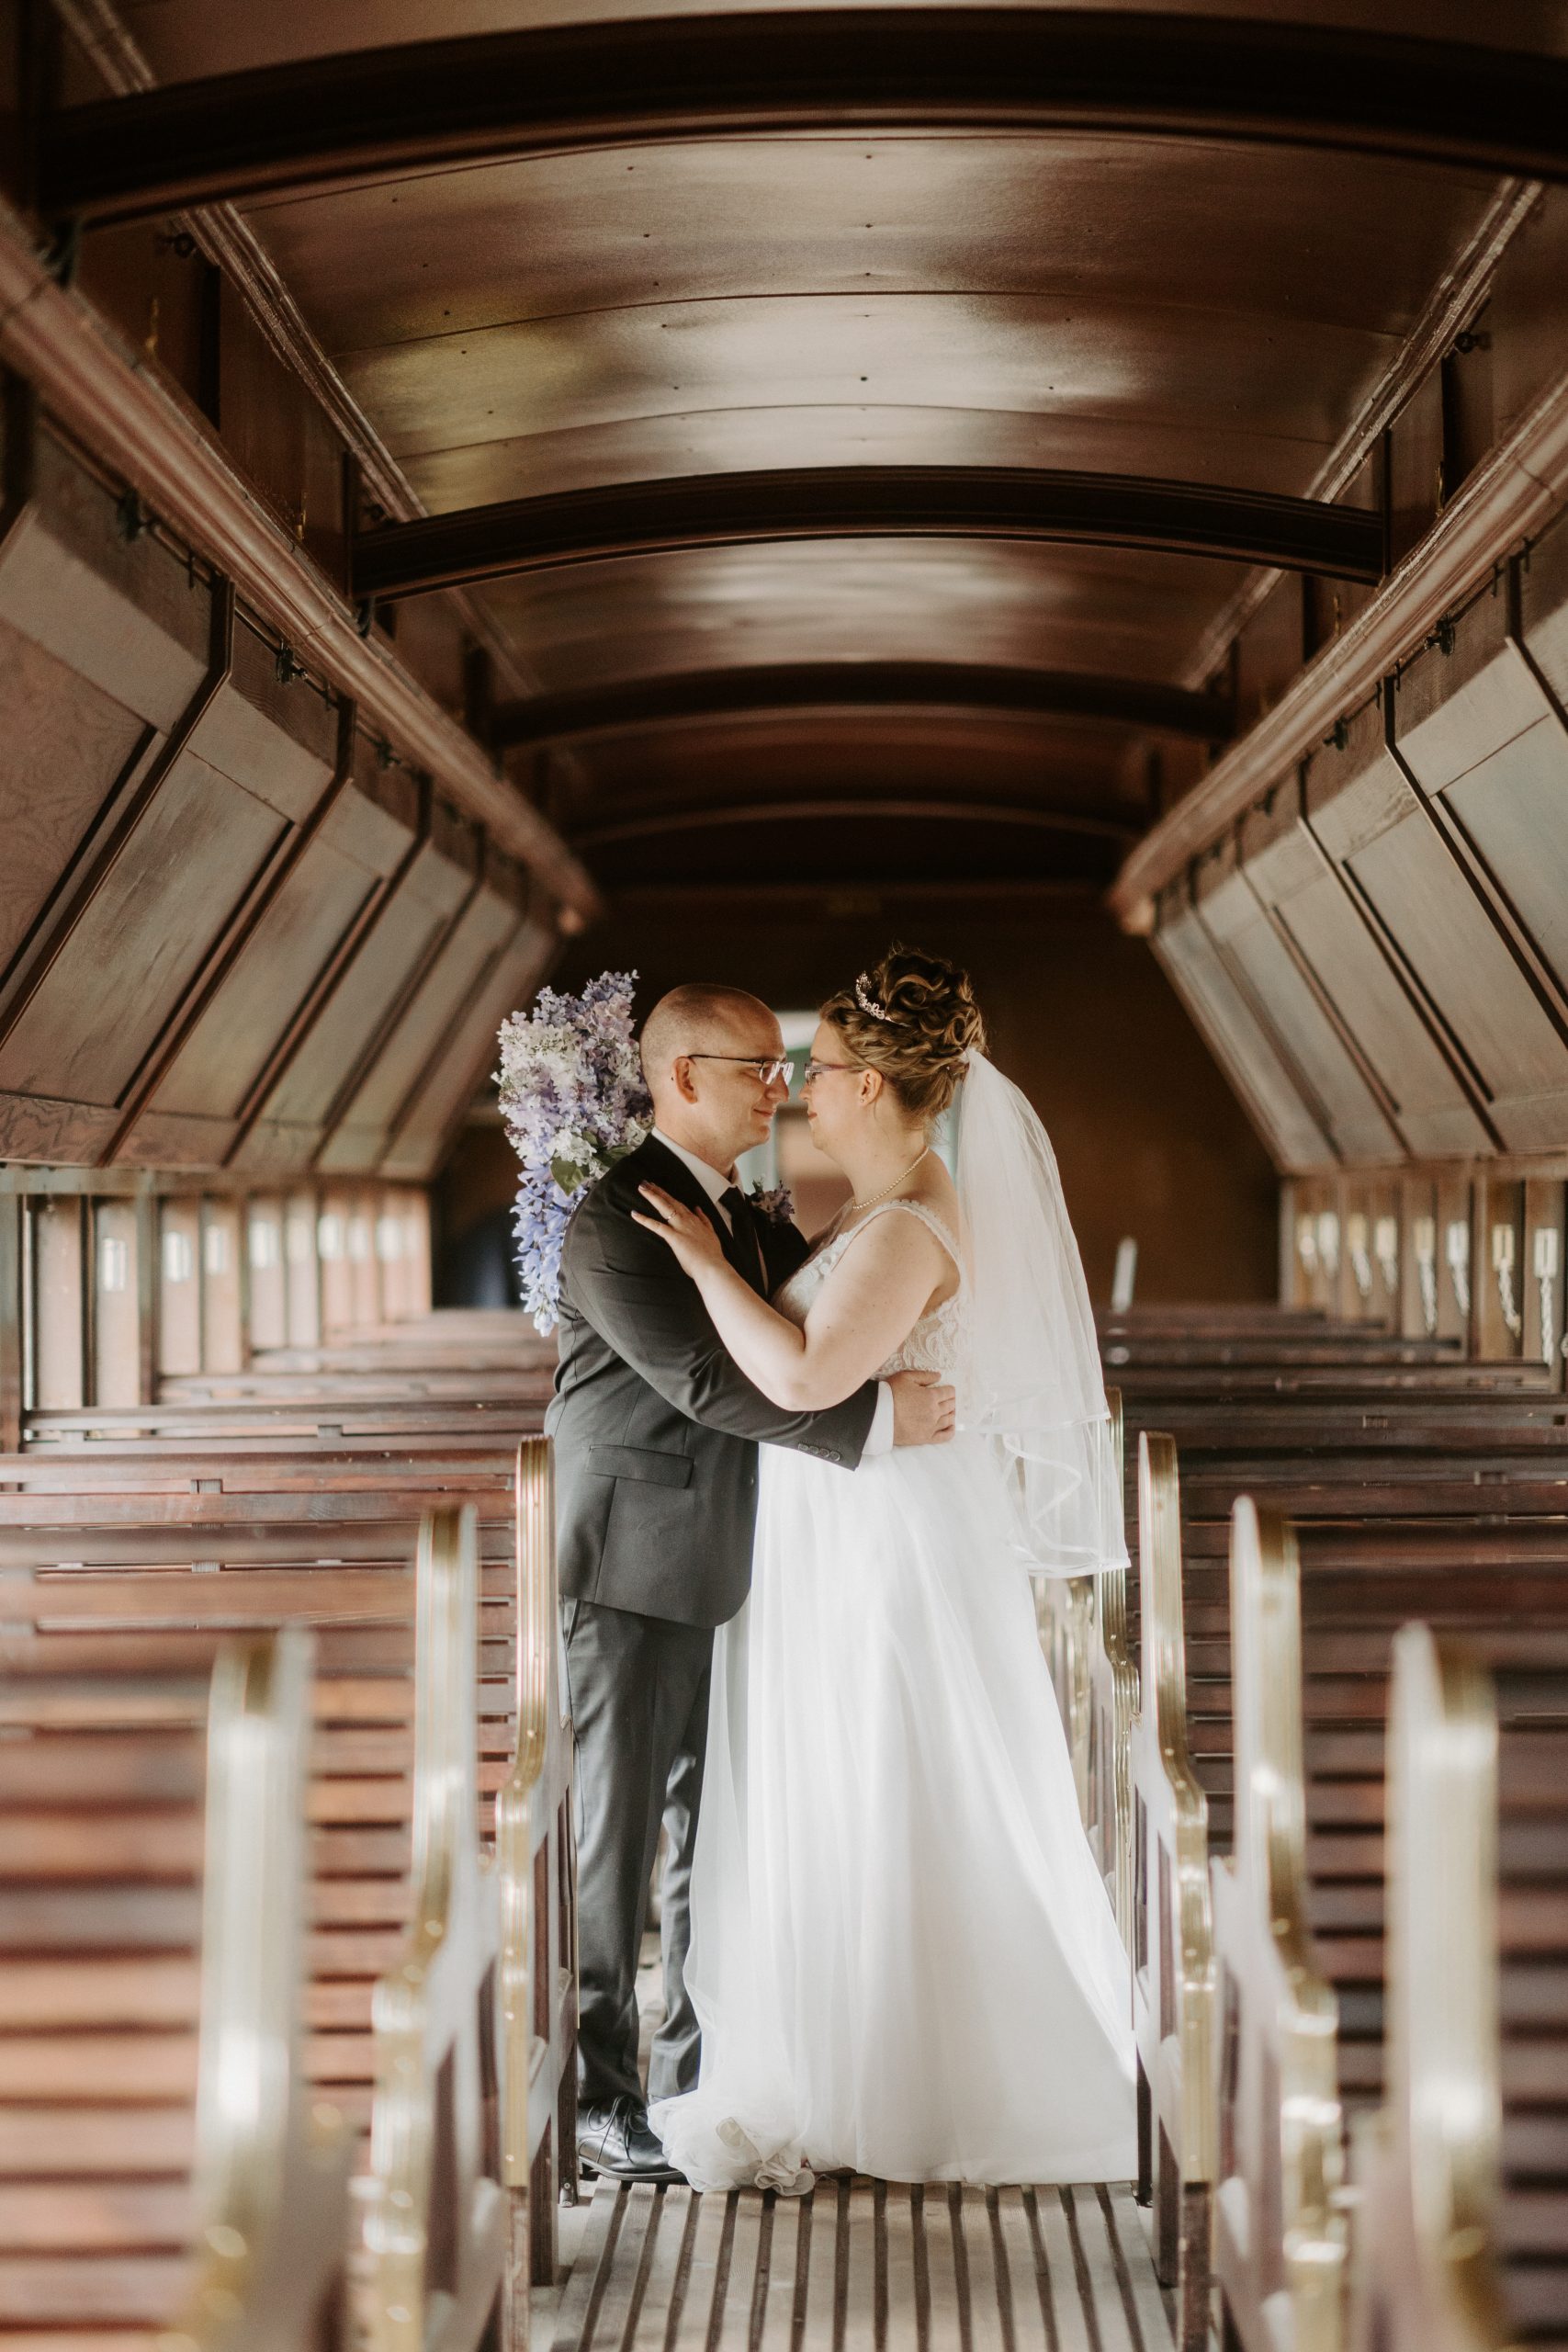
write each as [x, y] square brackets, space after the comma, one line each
[1279, 2225]
[536, 1854]
[436, 2227]
[1173, 1957]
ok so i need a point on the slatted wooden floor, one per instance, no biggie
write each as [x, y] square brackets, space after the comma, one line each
[860, 2266]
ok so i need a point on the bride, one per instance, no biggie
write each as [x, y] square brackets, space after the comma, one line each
[903, 1958]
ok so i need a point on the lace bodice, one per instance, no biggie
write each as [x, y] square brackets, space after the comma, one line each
[932, 1343]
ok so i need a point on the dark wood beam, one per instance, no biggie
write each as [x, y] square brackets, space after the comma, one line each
[1468, 105]
[766, 690]
[1035, 817]
[600, 524]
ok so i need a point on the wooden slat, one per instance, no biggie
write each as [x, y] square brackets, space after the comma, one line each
[70, 2290]
[661, 2268]
[865, 2266]
[1073, 2333]
[949, 2307]
[40, 2143]
[95, 2217]
[1033, 2322]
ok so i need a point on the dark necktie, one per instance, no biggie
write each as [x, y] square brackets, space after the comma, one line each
[733, 1201]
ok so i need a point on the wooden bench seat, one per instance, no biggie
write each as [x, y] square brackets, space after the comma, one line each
[1460, 2222]
[1302, 1993]
[259, 1466]
[97, 1575]
[162, 2158]
[55, 1619]
[1185, 1764]
[315, 1419]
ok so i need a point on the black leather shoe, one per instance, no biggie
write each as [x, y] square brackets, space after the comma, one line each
[616, 2140]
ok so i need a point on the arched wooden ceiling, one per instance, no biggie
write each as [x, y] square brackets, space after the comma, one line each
[1188, 271]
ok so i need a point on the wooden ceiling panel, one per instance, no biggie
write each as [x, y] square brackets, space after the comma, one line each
[1080, 608]
[1059, 356]
[1189, 309]
[1259, 232]
[845, 752]
[799, 843]
[737, 440]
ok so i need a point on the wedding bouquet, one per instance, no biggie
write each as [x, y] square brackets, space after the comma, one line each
[573, 1103]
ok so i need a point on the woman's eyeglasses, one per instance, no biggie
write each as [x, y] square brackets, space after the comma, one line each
[766, 1072]
[814, 1071]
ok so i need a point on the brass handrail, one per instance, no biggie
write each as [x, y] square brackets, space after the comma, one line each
[1165, 1681]
[1174, 1972]
[535, 1861]
[1285, 2150]
[514, 1824]
[1114, 1680]
[435, 2049]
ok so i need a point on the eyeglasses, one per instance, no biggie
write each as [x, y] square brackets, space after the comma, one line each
[814, 1071]
[767, 1072]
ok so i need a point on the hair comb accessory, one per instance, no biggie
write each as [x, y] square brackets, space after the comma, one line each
[867, 1003]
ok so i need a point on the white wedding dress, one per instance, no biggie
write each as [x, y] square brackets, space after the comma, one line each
[903, 1958]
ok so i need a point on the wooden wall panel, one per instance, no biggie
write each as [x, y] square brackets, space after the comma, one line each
[59, 1304]
[124, 612]
[1325, 1074]
[179, 1286]
[116, 1322]
[196, 1113]
[1546, 1257]
[1497, 1255]
[304, 1286]
[408, 930]
[1373, 821]
[69, 746]
[1423, 1096]
[1478, 733]
[222, 1285]
[1243, 1050]
[450, 1083]
[119, 978]
[227, 919]
[436, 1020]
[266, 1272]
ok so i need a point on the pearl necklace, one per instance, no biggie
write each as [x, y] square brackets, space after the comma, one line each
[873, 1197]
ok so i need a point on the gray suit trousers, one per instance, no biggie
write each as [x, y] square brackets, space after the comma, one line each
[639, 1706]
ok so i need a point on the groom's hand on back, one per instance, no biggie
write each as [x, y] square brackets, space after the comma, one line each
[922, 1408]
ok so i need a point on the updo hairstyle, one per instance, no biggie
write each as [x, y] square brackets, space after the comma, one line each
[932, 1022]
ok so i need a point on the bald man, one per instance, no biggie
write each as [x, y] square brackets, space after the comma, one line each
[655, 1435]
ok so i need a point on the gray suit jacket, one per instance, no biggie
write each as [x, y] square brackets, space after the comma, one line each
[656, 1431]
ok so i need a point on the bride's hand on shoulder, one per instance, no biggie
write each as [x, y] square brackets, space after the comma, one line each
[692, 1238]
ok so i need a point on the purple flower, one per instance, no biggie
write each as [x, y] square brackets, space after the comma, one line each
[573, 1102]
[777, 1204]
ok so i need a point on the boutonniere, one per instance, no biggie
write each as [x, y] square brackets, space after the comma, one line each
[777, 1206]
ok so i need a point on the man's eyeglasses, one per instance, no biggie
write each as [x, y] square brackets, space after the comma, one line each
[767, 1072]
[814, 1071]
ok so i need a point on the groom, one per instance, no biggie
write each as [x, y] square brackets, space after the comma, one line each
[655, 1435]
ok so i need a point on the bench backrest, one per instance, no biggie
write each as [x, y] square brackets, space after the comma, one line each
[151, 1951]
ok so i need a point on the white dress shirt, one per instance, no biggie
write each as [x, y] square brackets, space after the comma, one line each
[879, 1437]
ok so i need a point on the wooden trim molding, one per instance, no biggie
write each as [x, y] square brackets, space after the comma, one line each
[610, 521]
[1514, 493]
[746, 689]
[551, 88]
[85, 379]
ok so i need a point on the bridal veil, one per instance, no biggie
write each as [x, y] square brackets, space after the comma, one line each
[1030, 1377]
